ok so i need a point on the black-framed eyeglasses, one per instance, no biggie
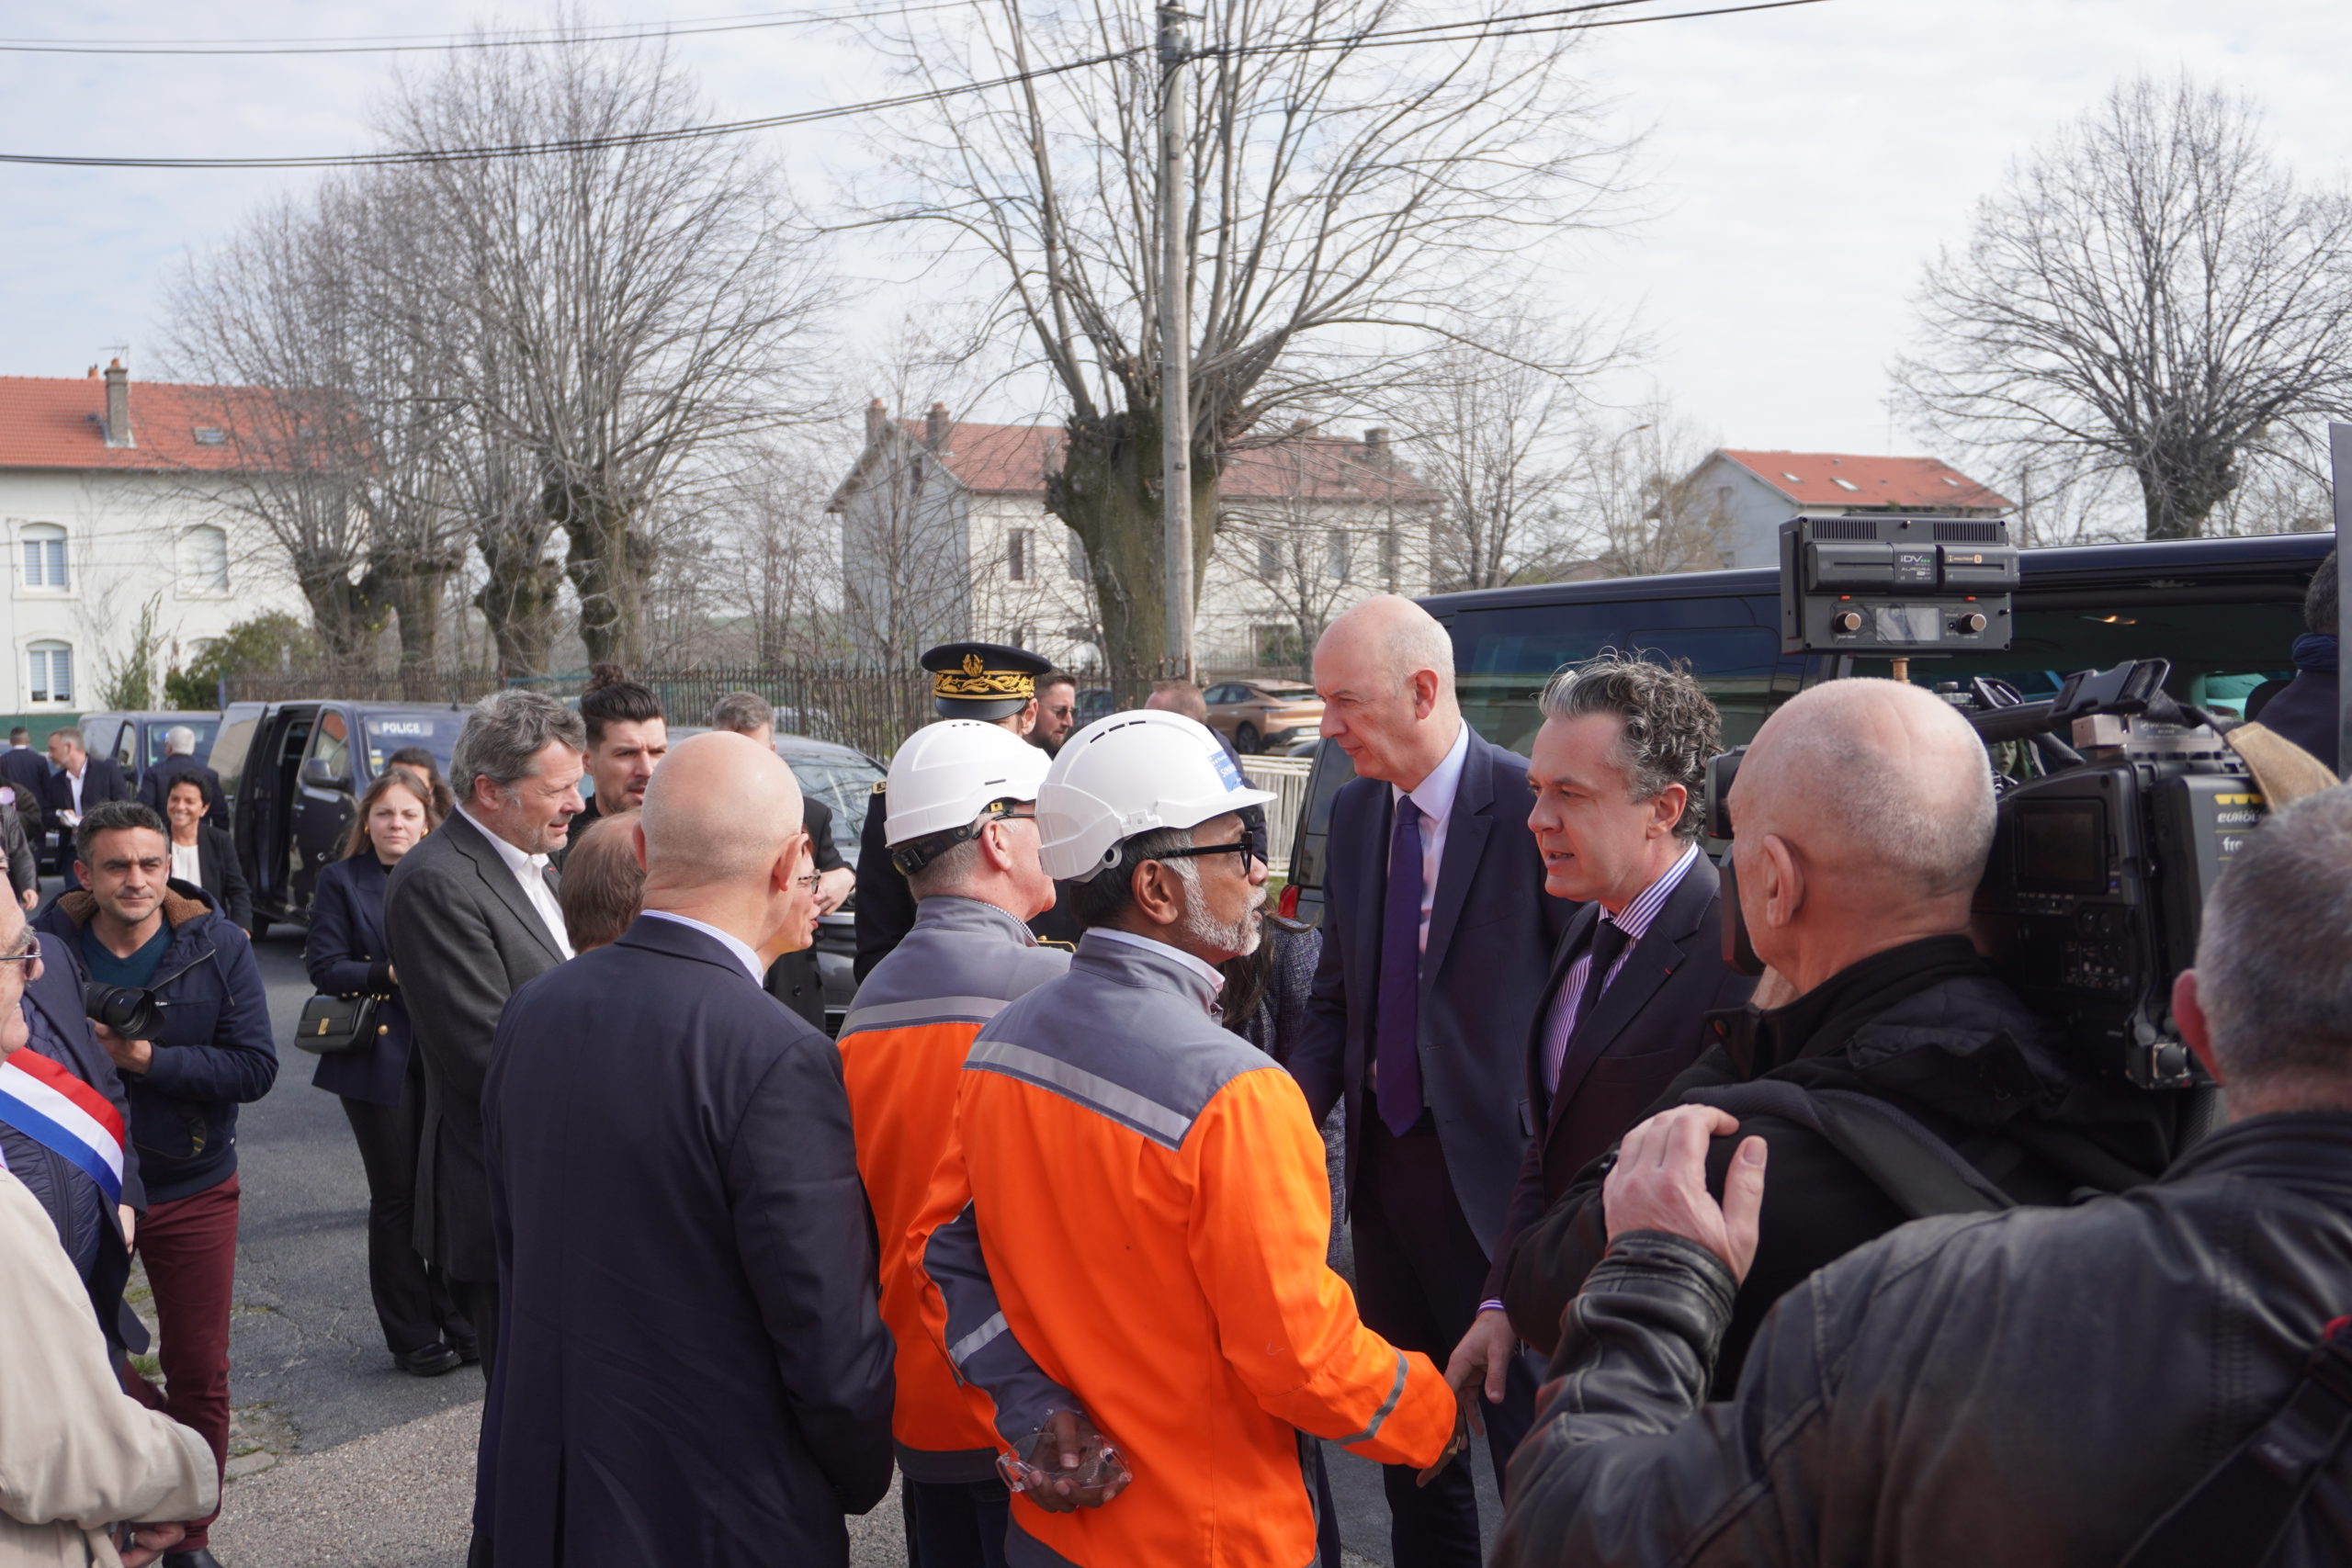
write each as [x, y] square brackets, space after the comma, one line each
[1238, 846]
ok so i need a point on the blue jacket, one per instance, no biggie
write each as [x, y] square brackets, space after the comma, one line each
[346, 957]
[213, 1052]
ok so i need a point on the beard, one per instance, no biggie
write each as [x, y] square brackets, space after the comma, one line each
[1238, 937]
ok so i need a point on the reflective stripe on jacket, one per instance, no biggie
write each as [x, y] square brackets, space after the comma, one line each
[902, 1051]
[1135, 1210]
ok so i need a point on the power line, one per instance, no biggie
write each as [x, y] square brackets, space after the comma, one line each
[395, 43]
[1476, 32]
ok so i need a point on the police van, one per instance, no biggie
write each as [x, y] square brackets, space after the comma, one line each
[2226, 611]
[293, 773]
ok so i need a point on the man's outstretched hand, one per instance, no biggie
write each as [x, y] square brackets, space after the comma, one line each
[1660, 1183]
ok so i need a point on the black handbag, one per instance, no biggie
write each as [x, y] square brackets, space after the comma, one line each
[332, 1026]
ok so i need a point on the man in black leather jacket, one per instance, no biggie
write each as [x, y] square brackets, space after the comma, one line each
[1862, 816]
[2036, 1389]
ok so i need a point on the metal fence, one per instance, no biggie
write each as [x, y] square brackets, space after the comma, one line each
[1287, 776]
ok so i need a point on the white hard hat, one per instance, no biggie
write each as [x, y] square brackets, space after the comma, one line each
[1130, 774]
[946, 773]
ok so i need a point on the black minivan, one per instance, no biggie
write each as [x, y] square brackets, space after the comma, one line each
[293, 772]
[2226, 611]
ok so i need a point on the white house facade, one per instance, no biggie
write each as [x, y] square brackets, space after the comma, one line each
[1758, 491]
[109, 503]
[946, 535]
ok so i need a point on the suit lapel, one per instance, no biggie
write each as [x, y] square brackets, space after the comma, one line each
[1648, 963]
[470, 842]
[1465, 841]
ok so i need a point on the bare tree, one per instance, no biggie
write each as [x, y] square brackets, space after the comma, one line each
[779, 553]
[1640, 511]
[1497, 426]
[624, 311]
[1340, 193]
[2151, 294]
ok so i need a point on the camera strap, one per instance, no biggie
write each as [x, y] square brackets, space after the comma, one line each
[2242, 1511]
[1922, 1173]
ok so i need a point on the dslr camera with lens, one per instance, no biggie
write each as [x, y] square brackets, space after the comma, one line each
[130, 1011]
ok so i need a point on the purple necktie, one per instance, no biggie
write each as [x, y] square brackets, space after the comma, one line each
[1395, 1034]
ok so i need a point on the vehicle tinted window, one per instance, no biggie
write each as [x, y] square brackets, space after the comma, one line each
[389, 733]
[205, 730]
[331, 743]
[1503, 656]
[846, 783]
[228, 752]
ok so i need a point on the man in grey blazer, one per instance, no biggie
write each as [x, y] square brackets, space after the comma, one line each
[469, 914]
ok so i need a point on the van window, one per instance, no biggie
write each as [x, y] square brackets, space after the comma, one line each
[1503, 656]
[331, 743]
[229, 750]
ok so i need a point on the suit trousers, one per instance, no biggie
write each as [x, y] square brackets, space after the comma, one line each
[479, 1301]
[1419, 1275]
[190, 1248]
[412, 1304]
[956, 1524]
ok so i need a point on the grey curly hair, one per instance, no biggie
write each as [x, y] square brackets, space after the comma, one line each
[1670, 728]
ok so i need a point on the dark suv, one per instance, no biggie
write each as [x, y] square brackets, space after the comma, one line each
[2226, 611]
[293, 772]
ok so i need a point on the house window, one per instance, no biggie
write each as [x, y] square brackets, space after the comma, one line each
[1016, 555]
[1270, 556]
[204, 560]
[1335, 555]
[51, 674]
[45, 556]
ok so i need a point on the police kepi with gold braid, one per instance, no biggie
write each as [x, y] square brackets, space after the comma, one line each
[985, 681]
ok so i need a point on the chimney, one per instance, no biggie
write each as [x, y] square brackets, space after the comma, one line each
[877, 420]
[118, 405]
[1375, 446]
[935, 428]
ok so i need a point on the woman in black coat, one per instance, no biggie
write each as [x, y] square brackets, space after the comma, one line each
[205, 855]
[381, 1084]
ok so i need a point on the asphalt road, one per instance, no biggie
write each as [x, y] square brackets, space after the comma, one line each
[310, 1373]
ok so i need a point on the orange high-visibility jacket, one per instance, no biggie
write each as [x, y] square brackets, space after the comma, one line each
[1132, 1222]
[902, 1053]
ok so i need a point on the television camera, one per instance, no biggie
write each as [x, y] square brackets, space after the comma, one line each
[2118, 805]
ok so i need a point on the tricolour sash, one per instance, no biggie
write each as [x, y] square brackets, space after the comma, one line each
[62, 1114]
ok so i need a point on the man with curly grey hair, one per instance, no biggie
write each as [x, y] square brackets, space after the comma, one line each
[471, 914]
[1619, 774]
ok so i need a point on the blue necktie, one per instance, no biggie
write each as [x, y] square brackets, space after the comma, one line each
[1396, 1027]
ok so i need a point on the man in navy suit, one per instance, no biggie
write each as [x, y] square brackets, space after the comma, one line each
[695, 1370]
[1437, 941]
[1618, 771]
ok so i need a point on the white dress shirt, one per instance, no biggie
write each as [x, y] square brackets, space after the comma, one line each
[1434, 794]
[530, 876]
[1209, 972]
[75, 781]
[735, 945]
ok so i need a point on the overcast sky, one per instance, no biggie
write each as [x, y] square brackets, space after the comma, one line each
[1799, 166]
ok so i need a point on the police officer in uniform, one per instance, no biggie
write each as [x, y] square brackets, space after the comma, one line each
[983, 680]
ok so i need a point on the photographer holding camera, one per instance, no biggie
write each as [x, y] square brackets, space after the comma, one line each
[2156, 1379]
[1891, 1073]
[177, 1002]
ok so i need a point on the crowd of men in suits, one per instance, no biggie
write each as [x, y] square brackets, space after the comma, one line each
[1044, 1234]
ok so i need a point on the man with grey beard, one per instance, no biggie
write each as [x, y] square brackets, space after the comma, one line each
[1136, 1199]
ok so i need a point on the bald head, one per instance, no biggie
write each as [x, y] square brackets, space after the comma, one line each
[1179, 697]
[1384, 671]
[718, 813]
[1390, 635]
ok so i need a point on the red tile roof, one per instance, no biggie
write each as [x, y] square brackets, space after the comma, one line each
[1014, 459]
[1810, 479]
[59, 422]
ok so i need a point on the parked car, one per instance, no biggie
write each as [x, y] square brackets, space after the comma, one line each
[293, 772]
[844, 778]
[135, 740]
[2226, 611]
[1263, 716]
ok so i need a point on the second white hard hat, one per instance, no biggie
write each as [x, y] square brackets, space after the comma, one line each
[945, 774]
[1129, 774]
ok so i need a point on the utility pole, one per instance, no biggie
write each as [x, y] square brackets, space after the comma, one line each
[1175, 341]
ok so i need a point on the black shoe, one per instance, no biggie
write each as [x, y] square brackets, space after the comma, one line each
[200, 1558]
[430, 1362]
[469, 1350]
